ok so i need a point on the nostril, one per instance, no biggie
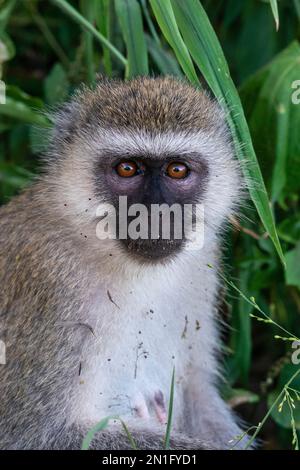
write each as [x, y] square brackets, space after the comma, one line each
[152, 191]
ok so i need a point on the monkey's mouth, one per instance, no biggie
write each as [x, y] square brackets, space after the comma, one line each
[149, 244]
[153, 250]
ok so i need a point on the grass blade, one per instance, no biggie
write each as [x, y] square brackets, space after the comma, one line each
[87, 26]
[103, 425]
[165, 62]
[92, 432]
[5, 13]
[297, 7]
[274, 120]
[170, 413]
[240, 342]
[274, 8]
[128, 434]
[150, 22]
[14, 175]
[206, 51]
[22, 112]
[130, 19]
[88, 11]
[103, 12]
[164, 14]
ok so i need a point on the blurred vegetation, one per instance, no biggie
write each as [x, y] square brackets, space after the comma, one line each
[45, 55]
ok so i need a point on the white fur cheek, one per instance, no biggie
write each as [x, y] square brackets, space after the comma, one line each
[222, 195]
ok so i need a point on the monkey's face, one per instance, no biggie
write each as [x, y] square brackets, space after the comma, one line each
[157, 189]
[143, 145]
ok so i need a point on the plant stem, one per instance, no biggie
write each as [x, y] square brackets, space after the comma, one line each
[271, 408]
[254, 304]
[78, 18]
[150, 22]
[87, 9]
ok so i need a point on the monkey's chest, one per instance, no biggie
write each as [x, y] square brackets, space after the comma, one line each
[127, 370]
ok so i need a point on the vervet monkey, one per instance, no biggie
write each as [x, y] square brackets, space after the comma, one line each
[93, 327]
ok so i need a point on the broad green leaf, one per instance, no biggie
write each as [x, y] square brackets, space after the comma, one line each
[274, 120]
[17, 94]
[287, 371]
[7, 48]
[289, 229]
[14, 176]
[238, 396]
[22, 112]
[206, 51]
[6, 11]
[283, 418]
[164, 14]
[130, 19]
[23, 107]
[56, 85]
[39, 139]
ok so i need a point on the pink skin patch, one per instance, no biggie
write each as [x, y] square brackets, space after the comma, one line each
[158, 403]
[160, 407]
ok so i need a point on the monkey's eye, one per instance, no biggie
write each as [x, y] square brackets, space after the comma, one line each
[177, 170]
[127, 169]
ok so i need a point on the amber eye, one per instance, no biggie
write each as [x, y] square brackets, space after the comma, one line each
[126, 169]
[177, 170]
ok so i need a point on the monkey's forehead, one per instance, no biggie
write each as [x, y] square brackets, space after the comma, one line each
[152, 104]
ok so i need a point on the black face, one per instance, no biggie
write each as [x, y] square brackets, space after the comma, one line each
[172, 180]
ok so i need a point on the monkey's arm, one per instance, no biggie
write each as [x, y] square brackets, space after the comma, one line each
[40, 296]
